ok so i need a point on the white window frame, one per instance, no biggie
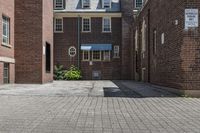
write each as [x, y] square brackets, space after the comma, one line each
[136, 40]
[55, 5]
[143, 38]
[136, 6]
[7, 36]
[83, 4]
[83, 54]
[55, 25]
[104, 56]
[89, 24]
[163, 38]
[93, 56]
[103, 4]
[69, 51]
[103, 24]
[116, 51]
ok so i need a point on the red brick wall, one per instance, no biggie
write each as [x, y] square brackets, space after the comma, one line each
[62, 41]
[7, 9]
[176, 62]
[31, 32]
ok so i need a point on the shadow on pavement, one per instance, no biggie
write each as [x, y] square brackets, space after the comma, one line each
[129, 89]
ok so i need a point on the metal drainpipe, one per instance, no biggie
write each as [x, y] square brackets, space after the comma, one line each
[78, 41]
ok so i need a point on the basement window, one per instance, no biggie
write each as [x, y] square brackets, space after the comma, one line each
[48, 58]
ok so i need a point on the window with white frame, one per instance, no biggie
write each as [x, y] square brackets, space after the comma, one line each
[72, 51]
[85, 3]
[106, 24]
[58, 25]
[86, 55]
[96, 55]
[136, 40]
[58, 4]
[106, 3]
[6, 30]
[86, 24]
[106, 55]
[138, 3]
[116, 51]
[162, 38]
[143, 37]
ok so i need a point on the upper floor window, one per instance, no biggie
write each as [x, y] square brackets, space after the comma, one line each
[6, 30]
[106, 3]
[154, 41]
[86, 24]
[106, 24]
[58, 4]
[138, 3]
[58, 25]
[85, 3]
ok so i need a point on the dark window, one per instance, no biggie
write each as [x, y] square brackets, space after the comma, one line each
[6, 73]
[48, 58]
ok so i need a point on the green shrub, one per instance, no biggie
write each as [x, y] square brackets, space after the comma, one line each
[73, 74]
[59, 72]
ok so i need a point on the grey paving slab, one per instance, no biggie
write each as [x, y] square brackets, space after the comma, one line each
[90, 107]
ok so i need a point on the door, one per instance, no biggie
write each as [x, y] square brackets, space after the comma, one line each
[6, 73]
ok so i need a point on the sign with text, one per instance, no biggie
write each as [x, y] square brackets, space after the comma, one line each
[191, 18]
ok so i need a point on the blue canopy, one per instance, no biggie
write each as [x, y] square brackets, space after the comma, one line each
[96, 47]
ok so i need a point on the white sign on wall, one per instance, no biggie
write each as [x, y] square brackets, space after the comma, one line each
[191, 18]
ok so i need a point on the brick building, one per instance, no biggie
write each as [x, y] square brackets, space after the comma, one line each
[166, 46]
[92, 35]
[7, 60]
[33, 41]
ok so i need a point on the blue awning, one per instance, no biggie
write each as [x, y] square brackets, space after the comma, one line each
[96, 47]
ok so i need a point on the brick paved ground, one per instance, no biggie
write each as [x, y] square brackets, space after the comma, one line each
[23, 113]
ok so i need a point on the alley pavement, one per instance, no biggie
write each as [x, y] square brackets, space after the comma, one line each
[96, 107]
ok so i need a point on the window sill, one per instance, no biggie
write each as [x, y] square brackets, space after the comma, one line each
[58, 31]
[6, 45]
[86, 31]
[106, 32]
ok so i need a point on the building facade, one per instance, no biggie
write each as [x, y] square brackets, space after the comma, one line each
[166, 45]
[33, 41]
[89, 34]
[7, 60]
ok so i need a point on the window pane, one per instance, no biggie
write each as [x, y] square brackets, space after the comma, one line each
[6, 29]
[96, 55]
[138, 3]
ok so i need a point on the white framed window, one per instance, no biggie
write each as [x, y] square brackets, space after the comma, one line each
[106, 55]
[136, 40]
[162, 38]
[116, 51]
[86, 55]
[58, 25]
[6, 30]
[58, 4]
[106, 3]
[96, 55]
[85, 3]
[72, 51]
[86, 24]
[143, 38]
[106, 24]
[138, 3]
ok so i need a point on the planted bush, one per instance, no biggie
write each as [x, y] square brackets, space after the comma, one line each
[72, 74]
